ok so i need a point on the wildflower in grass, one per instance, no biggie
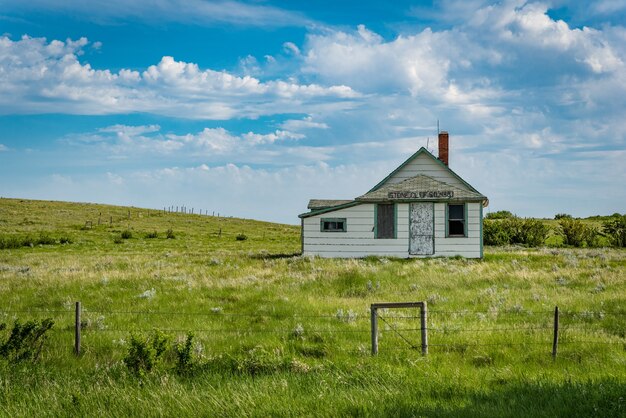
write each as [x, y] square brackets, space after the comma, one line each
[298, 331]
[148, 294]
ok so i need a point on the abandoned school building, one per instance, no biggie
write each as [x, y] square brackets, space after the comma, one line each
[421, 209]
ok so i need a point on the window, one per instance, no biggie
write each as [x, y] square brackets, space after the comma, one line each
[456, 220]
[333, 225]
[385, 221]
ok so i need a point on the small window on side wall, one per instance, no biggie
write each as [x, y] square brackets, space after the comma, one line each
[333, 225]
[456, 220]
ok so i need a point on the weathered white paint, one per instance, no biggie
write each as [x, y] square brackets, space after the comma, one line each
[423, 164]
[359, 241]
[421, 228]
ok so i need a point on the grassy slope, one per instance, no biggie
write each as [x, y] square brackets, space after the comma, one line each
[320, 372]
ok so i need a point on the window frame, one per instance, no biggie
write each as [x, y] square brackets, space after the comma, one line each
[344, 220]
[464, 220]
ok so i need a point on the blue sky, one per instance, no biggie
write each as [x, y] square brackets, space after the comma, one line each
[252, 108]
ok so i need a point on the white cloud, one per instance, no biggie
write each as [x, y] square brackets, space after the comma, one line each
[37, 76]
[291, 48]
[211, 143]
[3, 148]
[198, 12]
[300, 124]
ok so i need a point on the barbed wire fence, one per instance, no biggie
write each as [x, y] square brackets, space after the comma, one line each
[446, 330]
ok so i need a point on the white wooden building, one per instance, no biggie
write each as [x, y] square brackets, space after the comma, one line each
[421, 209]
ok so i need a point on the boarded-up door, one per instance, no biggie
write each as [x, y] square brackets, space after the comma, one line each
[421, 228]
[385, 221]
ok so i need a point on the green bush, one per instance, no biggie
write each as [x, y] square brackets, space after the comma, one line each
[241, 237]
[170, 234]
[127, 234]
[495, 233]
[25, 340]
[153, 234]
[65, 240]
[13, 241]
[559, 216]
[576, 233]
[615, 230]
[144, 354]
[45, 239]
[501, 214]
[530, 232]
[184, 355]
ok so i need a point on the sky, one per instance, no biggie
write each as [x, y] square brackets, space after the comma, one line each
[251, 108]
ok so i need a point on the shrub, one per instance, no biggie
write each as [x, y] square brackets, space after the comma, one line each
[25, 340]
[45, 239]
[559, 216]
[501, 214]
[65, 240]
[258, 361]
[28, 242]
[118, 240]
[495, 233]
[615, 230]
[241, 237]
[144, 354]
[153, 234]
[10, 242]
[184, 355]
[530, 232]
[576, 233]
[126, 234]
[169, 234]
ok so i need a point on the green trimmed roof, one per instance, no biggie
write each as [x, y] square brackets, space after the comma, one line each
[349, 203]
[315, 204]
[420, 187]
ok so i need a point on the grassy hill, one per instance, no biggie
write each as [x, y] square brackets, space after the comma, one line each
[278, 334]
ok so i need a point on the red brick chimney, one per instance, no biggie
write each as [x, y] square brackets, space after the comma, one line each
[443, 147]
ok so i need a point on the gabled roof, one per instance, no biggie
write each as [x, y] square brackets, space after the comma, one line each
[420, 187]
[419, 152]
[325, 203]
[410, 189]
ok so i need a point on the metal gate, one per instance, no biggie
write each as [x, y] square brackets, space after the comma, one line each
[421, 228]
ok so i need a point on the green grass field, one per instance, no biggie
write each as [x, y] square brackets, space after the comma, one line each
[276, 334]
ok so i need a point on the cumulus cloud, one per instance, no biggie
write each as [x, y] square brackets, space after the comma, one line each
[212, 144]
[37, 76]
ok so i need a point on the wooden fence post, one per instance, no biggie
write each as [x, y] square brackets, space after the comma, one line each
[374, 315]
[77, 330]
[424, 329]
[555, 341]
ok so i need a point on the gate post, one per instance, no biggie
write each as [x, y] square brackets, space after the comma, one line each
[423, 318]
[374, 316]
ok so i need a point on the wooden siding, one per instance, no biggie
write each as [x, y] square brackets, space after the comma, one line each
[468, 246]
[359, 239]
[423, 164]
